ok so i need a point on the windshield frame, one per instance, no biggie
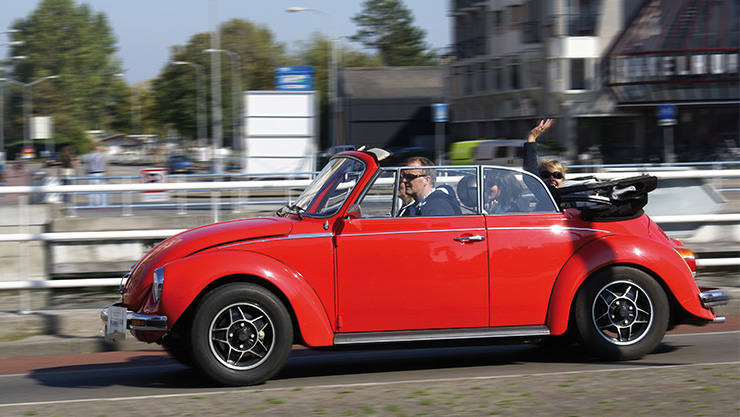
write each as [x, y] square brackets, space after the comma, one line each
[319, 184]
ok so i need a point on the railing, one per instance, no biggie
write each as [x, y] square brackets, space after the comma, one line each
[214, 188]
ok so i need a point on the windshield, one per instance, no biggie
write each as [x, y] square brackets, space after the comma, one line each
[328, 192]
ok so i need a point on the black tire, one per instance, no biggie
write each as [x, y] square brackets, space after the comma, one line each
[621, 313]
[178, 347]
[241, 334]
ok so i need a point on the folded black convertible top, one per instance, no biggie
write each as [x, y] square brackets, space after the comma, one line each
[611, 200]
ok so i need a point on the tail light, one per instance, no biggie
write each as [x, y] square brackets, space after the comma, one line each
[688, 257]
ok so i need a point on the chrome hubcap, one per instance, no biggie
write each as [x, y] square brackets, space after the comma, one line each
[241, 336]
[622, 312]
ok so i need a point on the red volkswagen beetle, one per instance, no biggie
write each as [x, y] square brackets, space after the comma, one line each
[341, 266]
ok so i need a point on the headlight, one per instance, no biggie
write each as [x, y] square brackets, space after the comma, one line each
[157, 283]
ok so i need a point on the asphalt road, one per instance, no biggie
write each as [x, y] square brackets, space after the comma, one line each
[689, 374]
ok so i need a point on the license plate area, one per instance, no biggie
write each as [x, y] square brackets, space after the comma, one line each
[115, 326]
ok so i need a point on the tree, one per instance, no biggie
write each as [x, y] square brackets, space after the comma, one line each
[175, 88]
[69, 40]
[387, 26]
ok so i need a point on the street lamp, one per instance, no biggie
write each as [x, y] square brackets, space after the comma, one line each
[215, 88]
[236, 134]
[28, 104]
[2, 112]
[199, 104]
[332, 74]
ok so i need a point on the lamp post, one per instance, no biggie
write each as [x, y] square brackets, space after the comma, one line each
[200, 114]
[332, 79]
[215, 88]
[2, 113]
[236, 135]
[28, 104]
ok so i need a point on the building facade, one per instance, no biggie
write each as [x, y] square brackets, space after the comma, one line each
[517, 61]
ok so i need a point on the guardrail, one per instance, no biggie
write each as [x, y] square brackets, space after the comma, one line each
[214, 188]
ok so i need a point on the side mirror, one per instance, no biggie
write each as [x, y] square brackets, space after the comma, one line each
[354, 212]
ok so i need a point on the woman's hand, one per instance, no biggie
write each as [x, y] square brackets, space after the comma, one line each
[539, 129]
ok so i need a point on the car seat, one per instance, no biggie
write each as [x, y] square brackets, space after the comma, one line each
[467, 192]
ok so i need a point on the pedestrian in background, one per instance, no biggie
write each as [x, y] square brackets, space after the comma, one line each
[67, 168]
[94, 163]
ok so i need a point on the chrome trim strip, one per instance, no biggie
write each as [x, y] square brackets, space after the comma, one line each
[270, 239]
[310, 235]
[713, 298]
[585, 229]
[403, 232]
[444, 334]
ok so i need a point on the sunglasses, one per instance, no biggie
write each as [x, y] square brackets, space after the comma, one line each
[557, 175]
[411, 177]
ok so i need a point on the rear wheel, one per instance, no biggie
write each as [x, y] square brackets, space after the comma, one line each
[241, 335]
[621, 313]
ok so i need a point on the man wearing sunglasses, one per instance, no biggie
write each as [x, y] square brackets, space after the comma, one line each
[419, 184]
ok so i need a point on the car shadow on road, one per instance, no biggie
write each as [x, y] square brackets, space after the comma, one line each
[160, 372]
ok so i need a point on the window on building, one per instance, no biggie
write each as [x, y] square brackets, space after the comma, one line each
[514, 75]
[515, 14]
[468, 83]
[578, 74]
[498, 19]
[482, 77]
[497, 78]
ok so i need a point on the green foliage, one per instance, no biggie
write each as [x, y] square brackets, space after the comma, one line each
[388, 27]
[175, 89]
[71, 41]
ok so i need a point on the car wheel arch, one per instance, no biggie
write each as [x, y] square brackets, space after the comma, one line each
[306, 309]
[589, 260]
[252, 279]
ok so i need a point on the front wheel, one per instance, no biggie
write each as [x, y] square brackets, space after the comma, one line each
[241, 334]
[621, 314]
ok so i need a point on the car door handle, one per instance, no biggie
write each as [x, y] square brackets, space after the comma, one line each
[468, 239]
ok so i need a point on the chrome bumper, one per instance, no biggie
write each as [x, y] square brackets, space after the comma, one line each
[140, 322]
[714, 298]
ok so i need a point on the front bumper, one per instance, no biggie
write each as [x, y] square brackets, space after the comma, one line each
[713, 298]
[118, 319]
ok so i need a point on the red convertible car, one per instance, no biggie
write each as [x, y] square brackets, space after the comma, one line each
[343, 266]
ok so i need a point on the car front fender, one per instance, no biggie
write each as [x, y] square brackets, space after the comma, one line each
[650, 256]
[188, 277]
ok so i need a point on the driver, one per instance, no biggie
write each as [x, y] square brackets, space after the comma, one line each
[419, 184]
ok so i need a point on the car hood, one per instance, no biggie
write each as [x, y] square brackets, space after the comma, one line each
[194, 241]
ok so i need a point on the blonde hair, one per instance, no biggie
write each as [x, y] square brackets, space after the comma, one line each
[550, 165]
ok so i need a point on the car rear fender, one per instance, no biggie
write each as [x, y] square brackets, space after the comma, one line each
[655, 258]
[192, 275]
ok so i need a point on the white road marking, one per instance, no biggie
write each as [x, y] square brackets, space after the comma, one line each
[372, 384]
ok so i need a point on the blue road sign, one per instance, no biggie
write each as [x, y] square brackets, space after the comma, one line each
[667, 111]
[439, 112]
[296, 78]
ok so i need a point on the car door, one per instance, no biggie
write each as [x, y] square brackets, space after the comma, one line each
[409, 273]
[529, 241]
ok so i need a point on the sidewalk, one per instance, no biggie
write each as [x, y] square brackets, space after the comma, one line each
[74, 331]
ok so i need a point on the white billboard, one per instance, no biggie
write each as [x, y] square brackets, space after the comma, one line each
[41, 127]
[280, 131]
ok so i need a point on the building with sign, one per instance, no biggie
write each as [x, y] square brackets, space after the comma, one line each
[602, 68]
[389, 107]
[682, 54]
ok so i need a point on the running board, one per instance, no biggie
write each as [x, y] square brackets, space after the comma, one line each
[444, 334]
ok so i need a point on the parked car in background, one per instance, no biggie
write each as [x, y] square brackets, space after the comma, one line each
[506, 152]
[179, 164]
[341, 267]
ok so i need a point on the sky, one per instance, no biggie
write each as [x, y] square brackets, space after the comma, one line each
[146, 29]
